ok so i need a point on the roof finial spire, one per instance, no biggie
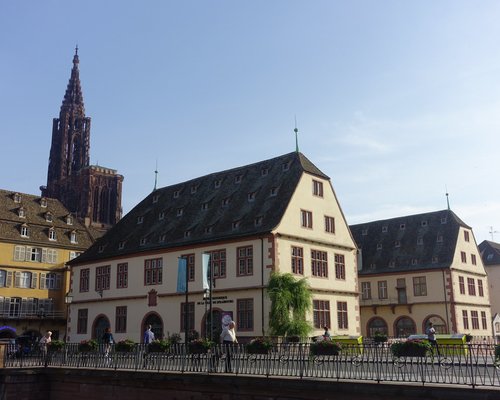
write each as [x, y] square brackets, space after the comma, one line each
[156, 174]
[447, 198]
[296, 136]
[76, 50]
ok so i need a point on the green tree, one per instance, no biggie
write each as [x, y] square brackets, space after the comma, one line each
[291, 299]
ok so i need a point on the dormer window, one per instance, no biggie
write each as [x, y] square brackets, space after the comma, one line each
[236, 224]
[402, 227]
[217, 183]
[17, 198]
[439, 239]
[43, 202]
[48, 217]
[155, 198]
[237, 178]
[187, 234]
[423, 223]
[69, 220]
[414, 261]
[21, 213]
[121, 245]
[140, 219]
[373, 266]
[101, 248]
[162, 238]
[194, 188]
[209, 229]
[420, 241]
[364, 232]
[143, 241]
[180, 211]
[24, 231]
[286, 166]
[379, 246]
[264, 171]
[489, 257]
[251, 196]
[397, 243]
[161, 215]
[52, 234]
[176, 194]
[226, 201]
[258, 221]
[73, 237]
[434, 260]
[274, 191]
[392, 264]
[443, 220]
[204, 206]
[384, 229]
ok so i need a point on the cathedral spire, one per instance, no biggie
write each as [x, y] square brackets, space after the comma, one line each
[73, 98]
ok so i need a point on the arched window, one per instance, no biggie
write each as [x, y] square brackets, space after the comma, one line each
[437, 322]
[100, 325]
[156, 325]
[377, 325]
[404, 327]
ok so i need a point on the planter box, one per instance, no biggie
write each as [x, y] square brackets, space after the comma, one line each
[325, 351]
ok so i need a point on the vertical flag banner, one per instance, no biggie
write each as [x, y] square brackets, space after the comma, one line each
[181, 275]
[205, 259]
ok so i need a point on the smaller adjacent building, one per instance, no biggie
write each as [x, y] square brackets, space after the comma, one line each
[38, 235]
[490, 254]
[418, 269]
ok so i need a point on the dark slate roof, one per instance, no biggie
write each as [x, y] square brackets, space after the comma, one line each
[35, 219]
[490, 252]
[400, 251]
[205, 215]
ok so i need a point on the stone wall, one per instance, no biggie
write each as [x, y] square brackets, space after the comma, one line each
[81, 384]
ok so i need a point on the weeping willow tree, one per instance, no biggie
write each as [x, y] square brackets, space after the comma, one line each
[291, 299]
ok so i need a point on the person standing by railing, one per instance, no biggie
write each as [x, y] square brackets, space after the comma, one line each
[431, 336]
[228, 339]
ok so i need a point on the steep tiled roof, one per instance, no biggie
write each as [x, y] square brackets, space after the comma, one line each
[490, 252]
[408, 243]
[239, 202]
[39, 220]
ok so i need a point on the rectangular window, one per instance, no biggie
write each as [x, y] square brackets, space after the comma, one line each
[190, 316]
[153, 271]
[102, 278]
[473, 259]
[342, 319]
[461, 284]
[463, 256]
[466, 236]
[81, 325]
[382, 289]
[190, 262]
[19, 253]
[484, 321]
[306, 219]
[471, 285]
[317, 188]
[419, 286]
[480, 288]
[366, 290]
[321, 313]
[465, 319]
[121, 319]
[84, 279]
[3, 281]
[122, 276]
[329, 224]
[244, 260]
[297, 260]
[339, 266]
[474, 317]
[218, 263]
[244, 312]
[319, 263]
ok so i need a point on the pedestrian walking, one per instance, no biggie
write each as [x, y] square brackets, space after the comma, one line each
[431, 336]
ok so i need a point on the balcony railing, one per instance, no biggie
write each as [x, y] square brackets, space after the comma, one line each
[55, 314]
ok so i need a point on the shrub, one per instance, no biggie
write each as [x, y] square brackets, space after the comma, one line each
[55, 345]
[198, 346]
[379, 337]
[260, 345]
[159, 346]
[126, 345]
[174, 338]
[87, 345]
[325, 347]
[192, 335]
[293, 339]
[410, 348]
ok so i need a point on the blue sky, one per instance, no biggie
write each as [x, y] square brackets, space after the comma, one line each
[396, 101]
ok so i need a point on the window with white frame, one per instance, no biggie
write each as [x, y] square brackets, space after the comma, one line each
[19, 253]
[73, 237]
[3, 277]
[366, 290]
[24, 231]
[317, 188]
[52, 234]
[23, 279]
[306, 219]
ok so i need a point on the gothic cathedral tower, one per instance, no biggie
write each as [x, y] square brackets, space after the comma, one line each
[93, 193]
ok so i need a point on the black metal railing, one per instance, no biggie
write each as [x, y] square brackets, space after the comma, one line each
[465, 364]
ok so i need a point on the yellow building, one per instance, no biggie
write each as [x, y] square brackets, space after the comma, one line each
[37, 237]
[490, 254]
[276, 215]
[419, 269]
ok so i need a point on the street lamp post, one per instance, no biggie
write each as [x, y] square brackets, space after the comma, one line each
[68, 299]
